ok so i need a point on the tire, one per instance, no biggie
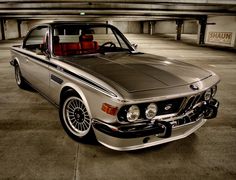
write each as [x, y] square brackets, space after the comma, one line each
[20, 81]
[75, 118]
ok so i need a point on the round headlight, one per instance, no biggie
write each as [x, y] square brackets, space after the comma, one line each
[133, 113]
[151, 111]
[214, 89]
[207, 95]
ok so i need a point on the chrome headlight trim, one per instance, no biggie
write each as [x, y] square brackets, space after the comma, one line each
[207, 95]
[133, 113]
[213, 90]
[151, 111]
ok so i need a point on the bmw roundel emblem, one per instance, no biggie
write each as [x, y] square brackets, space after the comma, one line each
[194, 87]
[168, 107]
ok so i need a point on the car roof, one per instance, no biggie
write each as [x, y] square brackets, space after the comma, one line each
[75, 22]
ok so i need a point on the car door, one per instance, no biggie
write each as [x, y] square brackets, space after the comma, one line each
[36, 62]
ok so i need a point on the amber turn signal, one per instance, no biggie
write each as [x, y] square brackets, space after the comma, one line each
[109, 109]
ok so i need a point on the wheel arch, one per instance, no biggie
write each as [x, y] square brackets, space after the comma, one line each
[16, 61]
[74, 88]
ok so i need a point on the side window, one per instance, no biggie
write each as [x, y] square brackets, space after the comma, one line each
[37, 40]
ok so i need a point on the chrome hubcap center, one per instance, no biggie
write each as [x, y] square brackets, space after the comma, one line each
[79, 115]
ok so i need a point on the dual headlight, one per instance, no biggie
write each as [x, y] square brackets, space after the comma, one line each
[151, 111]
[210, 93]
[133, 112]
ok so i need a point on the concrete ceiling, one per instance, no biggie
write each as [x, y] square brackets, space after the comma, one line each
[114, 9]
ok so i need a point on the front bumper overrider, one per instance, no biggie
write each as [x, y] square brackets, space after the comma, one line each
[158, 131]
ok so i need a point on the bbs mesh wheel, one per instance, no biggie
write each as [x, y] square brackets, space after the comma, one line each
[75, 118]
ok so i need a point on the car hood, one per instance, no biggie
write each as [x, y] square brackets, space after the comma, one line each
[139, 72]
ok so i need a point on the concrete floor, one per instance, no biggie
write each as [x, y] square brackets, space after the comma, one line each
[33, 144]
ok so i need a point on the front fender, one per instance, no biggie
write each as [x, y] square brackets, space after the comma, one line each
[79, 91]
[14, 60]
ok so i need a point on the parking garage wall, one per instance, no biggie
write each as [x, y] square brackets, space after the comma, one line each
[11, 30]
[190, 27]
[133, 27]
[24, 28]
[169, 27]
[165, 27]
[221, 31]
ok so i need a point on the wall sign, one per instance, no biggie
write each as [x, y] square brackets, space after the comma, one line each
[220, 37]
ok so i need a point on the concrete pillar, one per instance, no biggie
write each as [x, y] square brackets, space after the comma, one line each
[106, 28]
[151, 27]
[141, 27]
[202, 30]
[179, 24]
[19, 28]
[2, 29]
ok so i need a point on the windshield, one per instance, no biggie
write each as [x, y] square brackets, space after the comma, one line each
[69, 40]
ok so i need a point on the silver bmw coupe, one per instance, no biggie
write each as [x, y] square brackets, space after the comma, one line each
[104, 88]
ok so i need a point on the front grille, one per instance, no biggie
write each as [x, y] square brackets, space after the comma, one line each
[171, 106]
[174, 105]
[190, 102]
[164, 107]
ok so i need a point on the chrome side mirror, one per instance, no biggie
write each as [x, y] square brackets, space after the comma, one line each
[135, 46]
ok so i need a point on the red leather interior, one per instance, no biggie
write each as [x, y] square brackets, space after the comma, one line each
[86, 45]
[71, 48]
[57, 48]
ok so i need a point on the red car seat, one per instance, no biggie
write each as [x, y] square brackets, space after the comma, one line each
[87, 44]
[57, 47]
[71, 48]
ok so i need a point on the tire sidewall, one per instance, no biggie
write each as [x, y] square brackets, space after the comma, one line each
[84, 138]
[22, 83]
[18, 76]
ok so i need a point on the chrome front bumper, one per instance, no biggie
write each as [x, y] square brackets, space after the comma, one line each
[159, 131]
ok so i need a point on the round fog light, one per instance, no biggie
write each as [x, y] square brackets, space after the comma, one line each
[133, 113]
[207, 95]
[151, 111]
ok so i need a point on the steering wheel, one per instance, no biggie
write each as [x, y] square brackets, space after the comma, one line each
[108, 44]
